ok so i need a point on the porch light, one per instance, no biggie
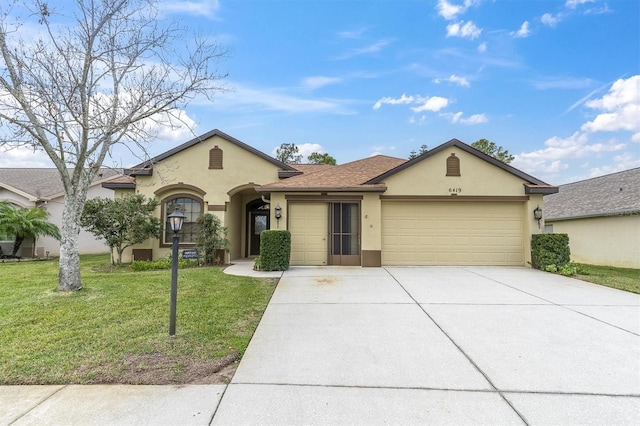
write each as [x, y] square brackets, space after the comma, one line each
[537, 214]
[278, 212]
[176, 219]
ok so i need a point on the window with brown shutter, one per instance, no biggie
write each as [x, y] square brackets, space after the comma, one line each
[453, 165]
[215, 158]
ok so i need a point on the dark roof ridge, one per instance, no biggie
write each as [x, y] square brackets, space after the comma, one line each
[601, 176]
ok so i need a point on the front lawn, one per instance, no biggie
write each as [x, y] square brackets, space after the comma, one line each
[621, 278]
[115, 330]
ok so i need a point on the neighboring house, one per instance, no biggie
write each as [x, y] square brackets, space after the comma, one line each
[43, 188]
[601, 217]
[453, 205]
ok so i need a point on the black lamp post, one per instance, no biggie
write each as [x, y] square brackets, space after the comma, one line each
[175, 221]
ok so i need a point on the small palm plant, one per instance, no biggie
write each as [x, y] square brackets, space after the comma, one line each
[24, 223]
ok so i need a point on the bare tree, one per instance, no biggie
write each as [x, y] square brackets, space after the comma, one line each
[80, 85]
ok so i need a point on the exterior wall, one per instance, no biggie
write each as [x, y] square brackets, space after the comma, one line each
[87, 242]
[226, 191]
[477, 178]
[610, 240]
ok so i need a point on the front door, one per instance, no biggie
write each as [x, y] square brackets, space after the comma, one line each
[259, 222]
[345, 234]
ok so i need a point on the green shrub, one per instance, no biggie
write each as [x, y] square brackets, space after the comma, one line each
[257, 264]
[569, 269]
[146, 265]
[550, 249]
[551, 268]
[275, 250]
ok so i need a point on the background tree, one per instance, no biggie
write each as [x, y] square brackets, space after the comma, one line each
[76, 86]
[122, 222]
[413, 154]
[24, 224]
[212, 236]
[288, 153]
[490, 148]
[318, 158]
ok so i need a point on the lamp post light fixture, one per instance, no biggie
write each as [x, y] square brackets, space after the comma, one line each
[176, 219]
[278, 214]
[537, 215]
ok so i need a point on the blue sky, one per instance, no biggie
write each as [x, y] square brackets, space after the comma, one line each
[557, 83]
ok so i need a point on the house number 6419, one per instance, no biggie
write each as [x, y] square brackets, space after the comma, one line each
[455, 190]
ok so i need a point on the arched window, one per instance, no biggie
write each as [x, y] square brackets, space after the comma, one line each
[215, 158]
[192, 209]
[453, 165]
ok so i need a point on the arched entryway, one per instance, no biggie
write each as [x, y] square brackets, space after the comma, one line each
[257, 221]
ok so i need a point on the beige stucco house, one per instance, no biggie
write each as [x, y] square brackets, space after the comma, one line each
[42, 187]
[453, 205]
[601, 217]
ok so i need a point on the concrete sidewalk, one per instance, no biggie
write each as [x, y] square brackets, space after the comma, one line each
[433, 345]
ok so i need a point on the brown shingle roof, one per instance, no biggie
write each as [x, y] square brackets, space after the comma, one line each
[311, 168]
[41, 183]
[617, 193]
[349, 176]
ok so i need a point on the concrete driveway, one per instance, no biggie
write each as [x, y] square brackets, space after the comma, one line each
[441, 345]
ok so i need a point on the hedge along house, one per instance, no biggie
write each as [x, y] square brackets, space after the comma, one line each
[453, 205]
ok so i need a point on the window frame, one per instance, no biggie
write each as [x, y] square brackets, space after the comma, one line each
[164, 236]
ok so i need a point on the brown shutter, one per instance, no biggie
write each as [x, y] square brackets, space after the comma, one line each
[453, 165]
[215, 158]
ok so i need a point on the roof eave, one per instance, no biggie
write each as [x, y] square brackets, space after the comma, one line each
[148, 165]
[544, 190]
[377, 188]
[108, 185]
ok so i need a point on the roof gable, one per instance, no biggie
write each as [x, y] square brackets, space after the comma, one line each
[613, 194]
[145, 168]
[535, 185]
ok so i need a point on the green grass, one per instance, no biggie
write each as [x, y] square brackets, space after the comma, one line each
[115, 330]
[621, 278]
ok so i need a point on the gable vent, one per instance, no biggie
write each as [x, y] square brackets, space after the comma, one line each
[453, 165]
[215, 158]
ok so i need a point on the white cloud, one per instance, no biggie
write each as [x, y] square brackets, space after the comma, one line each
[458, 117]
[207, 8]
[572, 4]
[24, 157]
[317, 82]
[460, 81]
[523, 32]
[636, 137]
[549, 20]
[352, 34]
[449, 10]
[621, 162]
[465, 30]
[482, 47]
[249, 98]
[619, 108]
[372, 48]
[404, 99]
[434, 103]
[304, 149]
[558, 152]
[562, 83]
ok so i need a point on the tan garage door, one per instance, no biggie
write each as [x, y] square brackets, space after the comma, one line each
[452, 233]
[308, 223]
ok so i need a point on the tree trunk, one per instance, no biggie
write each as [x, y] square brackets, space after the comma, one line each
[69, 276]
[16, 246]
